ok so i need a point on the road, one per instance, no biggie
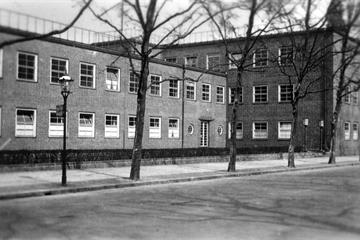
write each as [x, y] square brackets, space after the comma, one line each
[318, 204]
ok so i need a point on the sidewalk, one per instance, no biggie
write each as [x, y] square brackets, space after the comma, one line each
[40, 183]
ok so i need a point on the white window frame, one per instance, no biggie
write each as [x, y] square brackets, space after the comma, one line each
[232, 95]
[25, 130]
[93, 75]
[280, 55]
[133, 76]
[234, 57]
[284, 132]
[155, 86]
[175, 89]
[206, 93]
[155, 131]
[56, 130]
[193, 84]
[112, 131]
[51, 70]
[347, 132]
[214, 68]
[220, 96]
[355, 131]
[279, 92]
[174, 132]
[267, 93]
[264, 134]
[1, 62]
[35, 67]
[257, 51]
[86, 131]
[109, 82]
[131, 128]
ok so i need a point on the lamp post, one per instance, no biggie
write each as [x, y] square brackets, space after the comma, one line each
[65, 82]
[306, 123]
[321, 125]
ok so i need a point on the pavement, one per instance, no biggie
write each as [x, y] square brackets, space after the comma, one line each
[41, 183]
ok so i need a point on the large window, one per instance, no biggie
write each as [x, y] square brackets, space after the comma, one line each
[191, 61]
[131, 126]
[355, 131]
[133, 82]
[56, 125]
[260, 130]
[87, 75]
[155, 88]
[27, 67]
[260, 57]
[191, 90]
[239, 130]
[206, 92]
[174, 88]
[285, 93]
[260, 94]
[213, 62]
[220, 94]
[173, 128]
[25, 125]
[232, 92]
[86, 125]
[111, 126]
[59, 68]
[155, 127]
[112, 79]
[347, 131]
[284, 130]
[285, 55]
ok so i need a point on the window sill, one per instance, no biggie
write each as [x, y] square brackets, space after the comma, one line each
[26, 80]
[89, 88]
[109, 90]
[259, 103]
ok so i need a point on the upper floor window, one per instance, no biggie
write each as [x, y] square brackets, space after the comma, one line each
[355, 131]
[260, 94]
[87, 75]
[112, 79]
[206, 92]
[234, 59]
[190, 90]
[27, 67]
[347, 131]
[347, 96]
[86, 125]
[170, 59]
[284, 130]
[25, 125]
[155, 127]
[355, 96]
[59, 68]
[260, 57]
[260, 130]
[191, 61]
[133, 82]
[285, 93]
[220, 94]
[174, 88]
[285, 55]
[232, 92]
[111, 126]
[213, 62]
[155, 88]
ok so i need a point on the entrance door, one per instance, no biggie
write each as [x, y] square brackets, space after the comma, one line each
[204, 134]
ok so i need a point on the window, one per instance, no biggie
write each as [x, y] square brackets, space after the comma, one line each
[25, 123]
[56, 125]
[234, 58]
[174, 88]
[285, 93]
[1, 62]
[86, 125]
[27, 67]
[260, 130]
[260, 58]
[155, 88]
[190, 90]
[155, 127]
[285, 55]
[170, 59]
[131, 126]
[190, 129]
[355, 96]
[232, 92]
[59, 68]
[347, 96]
[133, 82]
[112, 79]
[111, 126]
[239, 130]
[213, 62]
[220, 130]
[347, 131]
[87, 75]
[206, 92]
[191, 61]
[355, 131]
[220, 94]
[204, 134]
[260, 94]
[284, 130]
[173, 128]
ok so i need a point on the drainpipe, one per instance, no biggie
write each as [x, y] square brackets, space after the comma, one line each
[183, 106]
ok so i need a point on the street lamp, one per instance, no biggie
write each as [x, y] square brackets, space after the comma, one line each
[306, 123]
[321, 125]
[65, 82]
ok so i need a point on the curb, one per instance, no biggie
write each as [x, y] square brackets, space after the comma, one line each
[241, 173]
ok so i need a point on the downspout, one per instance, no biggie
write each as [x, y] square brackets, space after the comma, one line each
[183, 106]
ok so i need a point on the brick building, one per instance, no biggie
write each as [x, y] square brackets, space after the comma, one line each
[102, 106]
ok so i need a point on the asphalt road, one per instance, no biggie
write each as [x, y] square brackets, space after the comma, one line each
[321, 204]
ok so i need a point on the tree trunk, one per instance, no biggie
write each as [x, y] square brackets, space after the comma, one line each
[334, 123]
[291, 151]
[233, 150]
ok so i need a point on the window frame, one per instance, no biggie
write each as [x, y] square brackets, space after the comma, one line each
[253, 130]
[35, 77]
[222, 95]
[239, 132]
[134, 83]
[206, 93]
[51, 69]
[131, 134]
[286, 58]
[92, 135]
[261, 94]
[193, 64]
[171, 134]
[175, 90]
[256, 61]
[347, 133]
[355, 131]
[50, 131]
[215, 68]
[188, 83]
[110, 133]
[93, 75]
[233, 56]
[158, 85]
[17, 128]
[118, 79]
[279, 92]
[281, 137]
[347, 97]
[153, 135]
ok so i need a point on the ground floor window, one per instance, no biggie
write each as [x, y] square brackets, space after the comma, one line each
[260, 130]
[239, 130]
[112, 126]
[25, 125]
[56, 125]
[173, 128]
[131, 126]
[86, 125]
[355, 130]
[284, 130]
[155, 127]
[204, 134]
[347, 131]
